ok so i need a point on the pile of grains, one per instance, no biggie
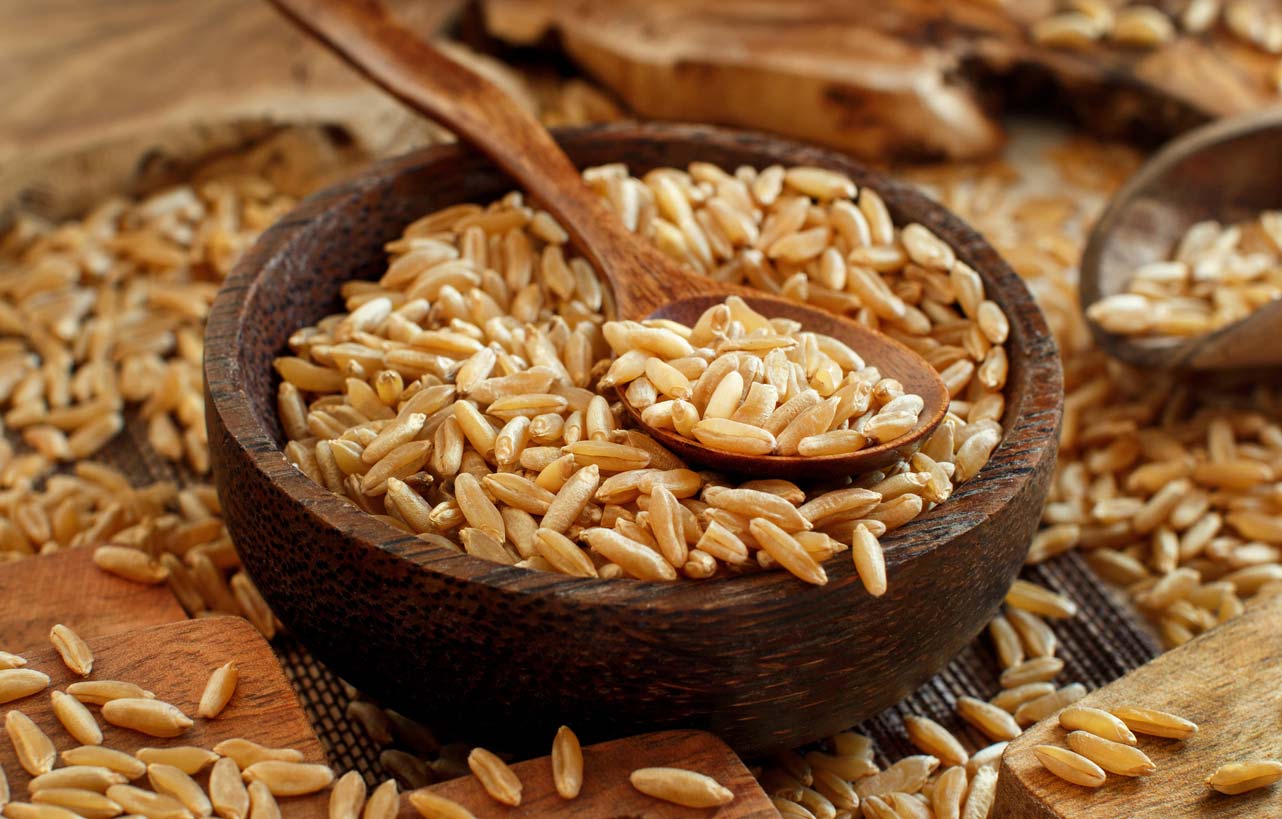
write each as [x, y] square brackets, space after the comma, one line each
[1080, 23]
[244, 779]
[103, 321]
[1216, 276]
[461, 396]
[743, 383]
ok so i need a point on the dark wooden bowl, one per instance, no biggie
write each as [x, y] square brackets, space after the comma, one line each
[504, 655]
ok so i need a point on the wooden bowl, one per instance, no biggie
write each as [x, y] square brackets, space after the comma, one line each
[504, 655]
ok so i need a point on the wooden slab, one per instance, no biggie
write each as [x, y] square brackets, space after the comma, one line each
[106, 98]
[174, 661]
[904, 78]
[607, 794]
[1228, 681]
[66, 587]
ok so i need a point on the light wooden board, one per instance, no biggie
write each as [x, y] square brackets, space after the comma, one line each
[174, 661]
[607, 794]
[66, 587]
[1228, 681]
[101, 98]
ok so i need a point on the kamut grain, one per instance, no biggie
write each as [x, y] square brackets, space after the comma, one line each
[433, 806]
[383, 802]
[1114, 757]
[76, 718]
[17, 683]
[989, 720]
[567, 763]
[1154, 723]
[170, 781]
[109, 759]
[227, 793]
[32, 747]
[347, 798]
[1070, 766]
[983, 791]
[27, 810]
[262, 804]
[1095, 721]
[935, 740]
[1042, 707]
[1240, 777]
[289, 778]
[136, 800]
[247, 752]
[100, 692]
[73, 650]
[87, 804]
[218, 691]
[189, 759]
[681, 787]
[146, 716]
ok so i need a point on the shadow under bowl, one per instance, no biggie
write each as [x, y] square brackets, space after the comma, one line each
[504, 655]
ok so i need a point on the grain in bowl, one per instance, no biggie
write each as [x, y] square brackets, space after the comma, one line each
[460, 396]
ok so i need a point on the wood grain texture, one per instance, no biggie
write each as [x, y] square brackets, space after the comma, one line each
[607, 793]
[174, 661]
[104, 98]
[68, 588]
[758, 660]
[1227, 681]
[644, 282]
[909, 78]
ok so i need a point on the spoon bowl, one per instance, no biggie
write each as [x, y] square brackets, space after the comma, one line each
[1228, 170]
[892, 358]
[643, 281]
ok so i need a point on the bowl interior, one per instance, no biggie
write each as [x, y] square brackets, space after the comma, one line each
[263, 307]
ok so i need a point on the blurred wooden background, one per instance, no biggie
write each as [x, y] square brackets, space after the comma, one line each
[98, 93]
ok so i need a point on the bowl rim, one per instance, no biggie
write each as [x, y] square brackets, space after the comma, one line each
[1032, 435]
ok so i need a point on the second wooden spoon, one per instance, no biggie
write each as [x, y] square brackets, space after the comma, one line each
[644, 282]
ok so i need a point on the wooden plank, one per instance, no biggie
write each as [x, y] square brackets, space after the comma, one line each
[607, 793]
[174, 661]
[907, 78]
[165, 61]
[66, 587]
[1228, 681]
[104, 98]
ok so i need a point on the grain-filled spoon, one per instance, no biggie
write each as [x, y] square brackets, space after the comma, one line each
[1227, 171]
[644, 283]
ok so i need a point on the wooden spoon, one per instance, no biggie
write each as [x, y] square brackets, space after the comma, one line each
[1229, 171]
[644, 283]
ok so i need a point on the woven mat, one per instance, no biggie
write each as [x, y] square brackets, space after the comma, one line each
[1102, 643]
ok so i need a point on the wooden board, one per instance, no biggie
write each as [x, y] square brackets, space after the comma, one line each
[607, 794]
[904, 78]
[1228, 681]
[101, 98]
[66, 587]
[174, 661]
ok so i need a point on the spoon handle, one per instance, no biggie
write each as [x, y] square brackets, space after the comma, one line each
[485, 117]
